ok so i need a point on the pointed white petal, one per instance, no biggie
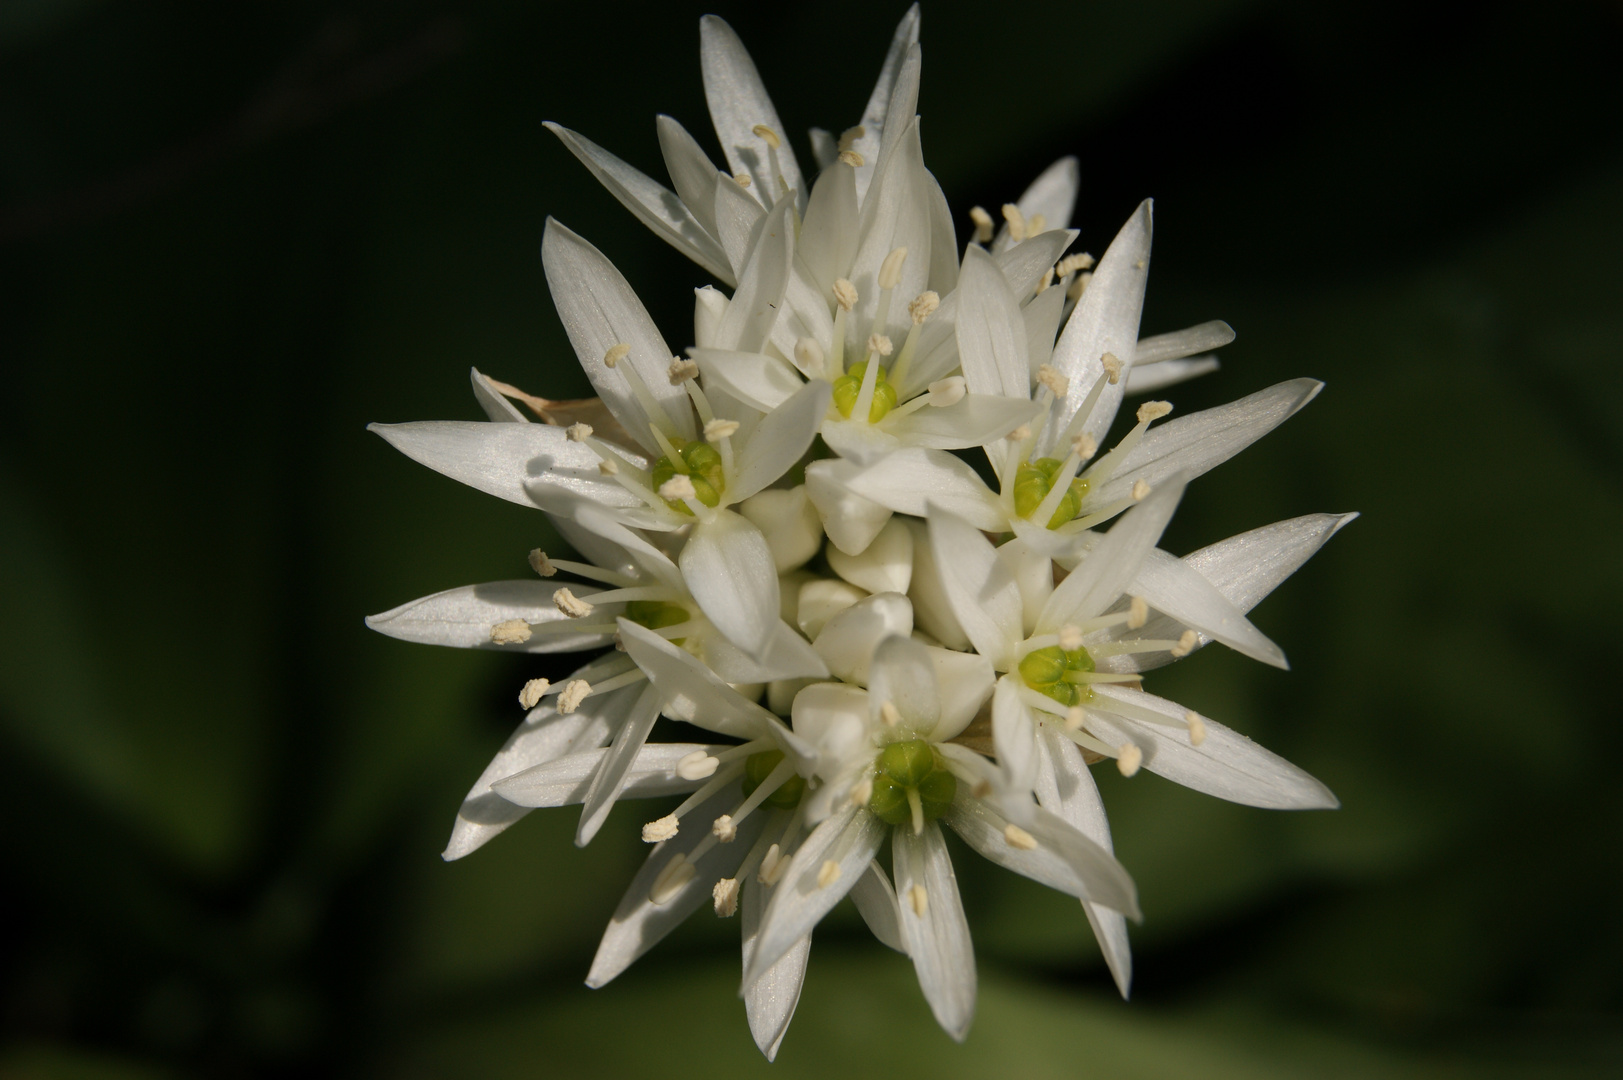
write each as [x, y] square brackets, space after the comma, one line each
[499, 458]
[902, 674]
[1042, 316]
[828, 236]
[787, 656]
[599, 310]
[612, 773]
[876, 901]
[984, 596]
[848, 640]
[1247, 567]
[991, 332]
[1033, 571]
[565, 781]
[805, 314]
[912, 478]
[934, 927]
[973, 420]
[1203, 337]
[1014, 735]
[738, 214]
[760, 381]
[1053, 193]
[653, 204]
[1226, 764]
[762, 283]
[462, 618]
[895, 214]
[789, 522]
[692, 174]
[931, 607]
[594, 521]
[1174, 588]
[495, 404]
[825, 147]
[858, 442]
[738, 102]
[878, 114]
[850, 520]
[943, 241]
[729, 570]
[781, 438]
[1147, 380]
[1108, 569]
[904, 102]
[965, 681]
[769, 1002]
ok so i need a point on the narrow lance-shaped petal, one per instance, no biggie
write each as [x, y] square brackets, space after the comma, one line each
[934, 927]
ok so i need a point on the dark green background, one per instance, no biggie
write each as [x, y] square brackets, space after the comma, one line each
[232, 234]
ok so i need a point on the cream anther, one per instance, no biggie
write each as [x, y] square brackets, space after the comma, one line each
[1079, 286]
[1072, 263]
[677, 487]
[879, 343]
[1112, 367]
[1016, 837]
[660, 830]
[570, 604]
[889, 714]
[697, 765]
[1138, 613]
[1019, 434]
[1153, 410]
[1128, 759]
[724, 895]
[677, 873]
[1141, 264]
[1046, 280]
[982, 789]
[828, 873]
[681, 370]
[948, 391]
[772, 864]
[862, 791]
[724, 829]
[742, 179]
[1049, 376]
[608, 466]
[541, 564]
[983, 224]
[845, 294]
[1070, 637]
[719, 429]
[809, 355]
[924, 305]
[616, 354]
[1074, 717]
[1084, 446]
[770, 137]
[1197, 728]
[578, 432]
[851, 158]
[1186, 644]
[919, 900]
[1015, 220]
[574, 692]
[511, 632]
[1036, 224]
[530, 696]
[1141, 490]
[890, 271]
[851, 135]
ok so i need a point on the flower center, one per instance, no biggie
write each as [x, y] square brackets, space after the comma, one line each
[757, 767]
[1047, 671]
[1032, 483]
[849, 386]
[700, 463]
[912, 784]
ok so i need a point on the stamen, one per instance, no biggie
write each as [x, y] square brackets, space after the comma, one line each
[1016, 222]
[541, 564]
[772, 864]
[845, 294]
[1070, 637]
[1084, 446]
[770, 137]
[1197, 728]
[1186, 644]
[608, 467]
[1079, 286]
[1112, 367]
[1138, 613]
[510, 632]
[1048, 275]
[1128, 759]
[828, 873]
[578, 432]
[890, 271]
[1036, 225]
[916, 805]
[1074, 716]
[879, 343]
[1141, 490]
[1019, 434]
[809, 356]
[661, 829]
[616, 354]
[851, 135]
[571, 605]
[1058, 384]
[530, 696]
[697, 765]
[681, 370]
[677, 488]
[574, 692]
[717, 430]
[851, 158]
[889, 714]
[1072, 263]
[924, 305]
[983, 224]
[742, 179]
[1153, 410]
[677, 873]
[948, 391]
[981, 789]
[723, 829]
[862, 791]
[724, 895]
[919, 899]
[1016, 837]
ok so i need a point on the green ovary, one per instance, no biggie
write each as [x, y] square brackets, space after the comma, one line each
[703, 467]
[1044, 670]
[912, 765]
[757, 767]
[848, 387]
[1032, 483]
[657, 614]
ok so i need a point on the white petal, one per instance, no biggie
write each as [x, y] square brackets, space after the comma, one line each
[983, 594]
[1201, 338]
[789, 522]
[638, 925]
[462, 618]
[1247, 567]
[499, 458]
[804, 314]
[787, 656]
[599, 310]
[912, 478]
[964, 681]
[832, 717]
[848, 640]
[1195, 443]
[820, 600]
[612, 773]
[876, 901]
[877, 116]
[904, 103]
[1025, 264]
[973, 420]
[895, 214]
[825, 148]
[1174, 588]
[760, 381]
[828, 236]
[729, 570]
[495, 404]
[693, 175]
[1226, 764]
[1105, 321]
[1014, 735]
[1147, 380]
[902, 674]
[943, 240]
[848, 839]
[564, 782]
[858, 441]
[1042, 317]
[781, 438]
[932, 609]
[850, 520]
[885, 566]
[938, 938]
[769, 1002]
[762, 282]
[595, 521]
[738, 102]
[1053, 193]
[1033, 571]
[653, 204]
[1108, 569]
[991, 332]
[737, 215]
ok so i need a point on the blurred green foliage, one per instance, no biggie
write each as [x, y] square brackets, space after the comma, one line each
[230, 235]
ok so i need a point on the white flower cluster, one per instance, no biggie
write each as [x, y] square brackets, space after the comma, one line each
[781, 547]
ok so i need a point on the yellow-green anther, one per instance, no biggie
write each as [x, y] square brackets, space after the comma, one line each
[1032, 482]
[702, 466]
[1045, 671]
[757, 767]
[848, 386]
[911, 766]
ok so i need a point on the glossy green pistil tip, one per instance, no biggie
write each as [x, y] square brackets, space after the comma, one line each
[848, 387]
[911, 766]
[1044, 670]
[757, 767]
[702, 465]
[656, 614]
[1035, 479]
